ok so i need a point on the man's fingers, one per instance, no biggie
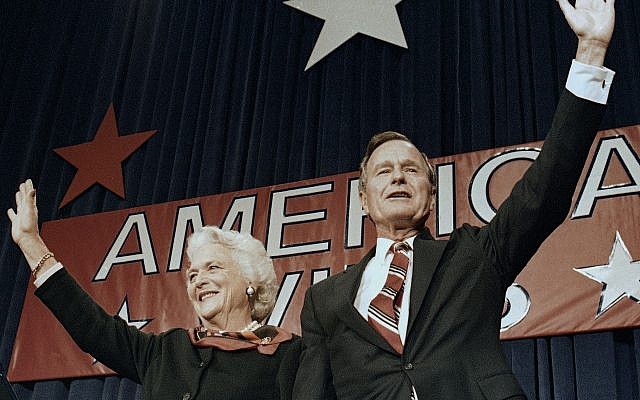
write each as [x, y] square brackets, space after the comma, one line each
[598, 5]
[11, 214]
[566, 8]
[583, 3]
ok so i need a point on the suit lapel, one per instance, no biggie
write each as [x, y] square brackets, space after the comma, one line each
[346, 291]
[426, 255]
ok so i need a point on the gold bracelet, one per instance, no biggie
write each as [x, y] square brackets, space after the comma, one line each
[40, 263]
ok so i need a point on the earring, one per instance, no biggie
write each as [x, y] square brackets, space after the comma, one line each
[250, 291]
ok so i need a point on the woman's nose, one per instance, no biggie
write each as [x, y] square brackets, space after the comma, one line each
[197, 280]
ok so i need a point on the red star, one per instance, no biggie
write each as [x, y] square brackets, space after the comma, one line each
[100, 161]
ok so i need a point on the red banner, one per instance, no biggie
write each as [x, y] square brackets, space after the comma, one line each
[584, 277]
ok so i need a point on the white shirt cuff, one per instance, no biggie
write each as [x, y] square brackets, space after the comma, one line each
[590, 82]
[47, 274]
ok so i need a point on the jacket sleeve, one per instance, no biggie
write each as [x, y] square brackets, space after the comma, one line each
[314, 380]
[109, 339]
[539, 202]
[288, 369]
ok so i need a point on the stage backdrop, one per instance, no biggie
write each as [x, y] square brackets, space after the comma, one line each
[223, 85]
[132, 261]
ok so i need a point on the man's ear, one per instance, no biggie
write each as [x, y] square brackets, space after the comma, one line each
[433, 200]
[363, 202]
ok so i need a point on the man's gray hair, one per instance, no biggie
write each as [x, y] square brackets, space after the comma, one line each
[250, 256]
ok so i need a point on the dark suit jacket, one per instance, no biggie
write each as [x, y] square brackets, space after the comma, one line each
[452, 349]
[168, 365]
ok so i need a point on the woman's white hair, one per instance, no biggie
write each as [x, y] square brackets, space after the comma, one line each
[250, 256]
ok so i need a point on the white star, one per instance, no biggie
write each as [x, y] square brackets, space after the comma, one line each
[123, 313]
[345, 18]
[620, 278]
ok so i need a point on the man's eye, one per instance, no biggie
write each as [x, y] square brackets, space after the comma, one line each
[213, 267]
[384, 171]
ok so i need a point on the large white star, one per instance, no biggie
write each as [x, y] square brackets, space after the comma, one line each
[620, 278]
[345, 18]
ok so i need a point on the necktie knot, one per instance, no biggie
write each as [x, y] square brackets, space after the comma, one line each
[399, 247]
[400, 259]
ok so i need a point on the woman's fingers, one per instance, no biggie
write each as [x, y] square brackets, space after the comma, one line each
[18, 201]
[25, 197]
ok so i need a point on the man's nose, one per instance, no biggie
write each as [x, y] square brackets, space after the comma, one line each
[397, 175]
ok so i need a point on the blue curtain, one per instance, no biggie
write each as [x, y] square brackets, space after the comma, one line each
[224, 84]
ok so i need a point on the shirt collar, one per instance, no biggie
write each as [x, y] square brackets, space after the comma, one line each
[383, 245]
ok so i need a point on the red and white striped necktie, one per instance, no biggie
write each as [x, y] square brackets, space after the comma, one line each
[384, 310]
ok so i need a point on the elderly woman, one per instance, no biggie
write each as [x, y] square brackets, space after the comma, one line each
[232, 286]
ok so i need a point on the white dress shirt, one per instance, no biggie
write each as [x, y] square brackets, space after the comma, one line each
[375, 276]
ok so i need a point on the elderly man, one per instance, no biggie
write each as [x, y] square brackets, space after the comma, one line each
[419, 318]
